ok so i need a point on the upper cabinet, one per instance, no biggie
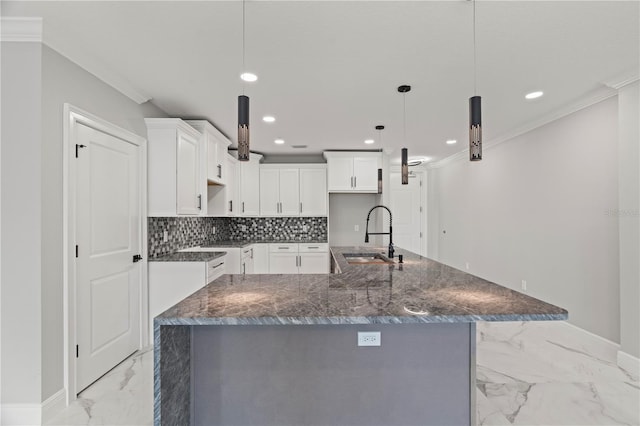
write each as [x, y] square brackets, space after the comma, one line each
[353, 171]
[249, 188]
[214, 145]
[293, 190]
[175, 178]
[313, 191]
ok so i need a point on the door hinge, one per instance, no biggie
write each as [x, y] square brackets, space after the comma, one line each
[77, 351]
[79, 146]
[76, 250]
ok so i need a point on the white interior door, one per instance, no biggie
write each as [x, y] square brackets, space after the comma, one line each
[108, 236]
[407, 215]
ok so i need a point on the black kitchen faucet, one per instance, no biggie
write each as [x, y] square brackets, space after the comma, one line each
[390, 233]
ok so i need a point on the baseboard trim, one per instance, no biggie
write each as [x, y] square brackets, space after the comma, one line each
[629, 363]
[20, 414]
[54, 405]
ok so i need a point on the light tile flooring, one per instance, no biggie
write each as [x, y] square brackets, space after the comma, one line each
[536, 373]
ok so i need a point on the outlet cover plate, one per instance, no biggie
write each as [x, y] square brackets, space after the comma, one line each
[368, 338]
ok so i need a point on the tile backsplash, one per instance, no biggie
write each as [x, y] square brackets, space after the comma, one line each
[278, 228]
[184, 232]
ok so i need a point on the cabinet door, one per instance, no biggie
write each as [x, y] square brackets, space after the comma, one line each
[220, 168]
[249, 188]
[269, 192]
[212, 159]
[261, 258]
[314, 263]
[283, 263]
[188, 198]
[232, 186]
[289, 192]
[340, 173]
[313, 192]
[365, 172]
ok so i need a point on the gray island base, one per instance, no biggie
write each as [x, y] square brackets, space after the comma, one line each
[282, 349]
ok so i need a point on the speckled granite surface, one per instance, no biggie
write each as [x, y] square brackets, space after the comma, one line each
[418, 291]
[189, 256]
[244, 243]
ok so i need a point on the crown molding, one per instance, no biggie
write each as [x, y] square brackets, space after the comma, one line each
[21, 29]
[623, 79]
[601, 95]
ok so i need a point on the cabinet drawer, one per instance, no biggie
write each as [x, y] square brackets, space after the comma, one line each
[283, 248]
[312, 248]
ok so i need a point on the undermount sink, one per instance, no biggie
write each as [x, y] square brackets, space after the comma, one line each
[366, 259]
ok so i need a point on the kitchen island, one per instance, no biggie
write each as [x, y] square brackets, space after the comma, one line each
[283, 349]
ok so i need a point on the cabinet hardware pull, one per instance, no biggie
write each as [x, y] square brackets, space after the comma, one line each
[300, 207]
[313, 247]
[220, 171]
[283, 248]
[230, 205]
[355, 181]
[243, 207]
[199, 201]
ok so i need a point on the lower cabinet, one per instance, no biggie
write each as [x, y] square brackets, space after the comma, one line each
[260, 258]
[170, 282]
[299, 258]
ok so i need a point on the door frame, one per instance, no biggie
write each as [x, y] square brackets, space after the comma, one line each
[74, 116]
[422, 174]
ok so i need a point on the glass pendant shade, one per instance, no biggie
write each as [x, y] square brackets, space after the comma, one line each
[379, 181]
[475, 129]
[243, 128]
[405, 166]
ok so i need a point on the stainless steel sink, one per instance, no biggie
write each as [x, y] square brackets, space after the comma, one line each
[366, 259]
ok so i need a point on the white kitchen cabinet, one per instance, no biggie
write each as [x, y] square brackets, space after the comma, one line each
[215, 145]
[293, 190]
[222, 200]
[313, 191]
[279, 191]
[175, 179]
[298, 259]
[170, 282]
[261, 258]
[352, 171]
[249, 189]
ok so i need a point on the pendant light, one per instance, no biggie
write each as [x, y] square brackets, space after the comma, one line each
[243, 106]
[404, 171]
[475, 116]
[380, 128]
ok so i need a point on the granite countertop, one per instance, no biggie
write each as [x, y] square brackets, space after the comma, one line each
[189, 256]
[420, 290]
[245, 243]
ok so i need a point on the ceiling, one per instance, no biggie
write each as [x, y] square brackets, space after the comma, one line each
[329, 70]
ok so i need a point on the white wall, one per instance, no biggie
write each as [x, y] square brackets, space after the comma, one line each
[629, 218]
[63, 81]
[348, 210]
[21, 212]
[536, 208]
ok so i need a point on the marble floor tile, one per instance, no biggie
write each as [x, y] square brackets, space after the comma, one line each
[124, 396]
[535, 373]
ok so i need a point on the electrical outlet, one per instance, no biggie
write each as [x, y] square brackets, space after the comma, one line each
[524, 285]
[466, 265]
[165, 236]
[356, 228]
[305, 228]
[368, 338]
[213, 229]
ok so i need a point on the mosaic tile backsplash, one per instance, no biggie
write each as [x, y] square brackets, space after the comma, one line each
[184, 232]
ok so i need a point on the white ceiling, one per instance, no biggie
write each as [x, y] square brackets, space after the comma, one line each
[328, 70]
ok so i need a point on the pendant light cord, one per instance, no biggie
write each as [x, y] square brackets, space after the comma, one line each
[243, 37]
[404, 117]
[475, 76]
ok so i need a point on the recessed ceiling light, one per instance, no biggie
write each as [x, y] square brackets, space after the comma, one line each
[247, 76]
[451, 141]
[279, 141]
[268, 119]
[533, 95]
[369, 141]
